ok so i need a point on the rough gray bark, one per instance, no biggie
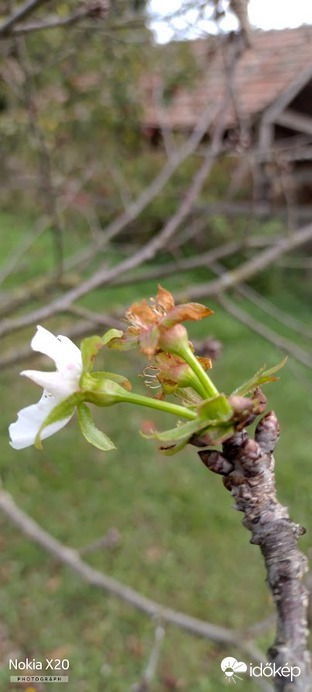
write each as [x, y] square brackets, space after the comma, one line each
[247, 466]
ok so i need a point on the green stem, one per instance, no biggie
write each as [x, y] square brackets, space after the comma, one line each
[167, 406]
[198, 387]
[191, 380]
[106, 392]
[209, 389]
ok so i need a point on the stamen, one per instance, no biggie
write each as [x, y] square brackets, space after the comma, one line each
[159, 310]
[150, 376]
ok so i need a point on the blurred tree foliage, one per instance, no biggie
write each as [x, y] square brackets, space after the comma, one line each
[80, 84]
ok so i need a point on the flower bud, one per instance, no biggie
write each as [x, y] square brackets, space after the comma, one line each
[174, 339]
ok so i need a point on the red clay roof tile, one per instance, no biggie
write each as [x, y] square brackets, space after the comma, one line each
[264, 71]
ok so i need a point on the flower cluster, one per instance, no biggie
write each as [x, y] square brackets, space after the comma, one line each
[155, 328]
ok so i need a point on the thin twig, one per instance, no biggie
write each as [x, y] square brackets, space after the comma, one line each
[150, 671]
[272, 310]
[22, 12]
[203, 260]
[261, 626]
[252, 209]
[166, 132]
[51, 23]
[110, 540]
[254, 265]
[280, 341]
[97, 318]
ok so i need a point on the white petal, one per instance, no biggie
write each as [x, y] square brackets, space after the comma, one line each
[59, 384]
[29, 420]
[70, 355]
[62, 350]
[46, 343]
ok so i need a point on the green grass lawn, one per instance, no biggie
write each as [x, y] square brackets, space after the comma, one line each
[181, 543]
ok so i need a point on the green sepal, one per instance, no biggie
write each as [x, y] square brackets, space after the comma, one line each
[120, 341]
[187, 394]
[259, 378]
[89, 349]
[111, 334]
[92, 345]
[102, 391]
[62, 410]
[114, 377]
[216, 409]
[214, 417]
[173, 449]
[89, 430]
[218, 433]
[181, 432]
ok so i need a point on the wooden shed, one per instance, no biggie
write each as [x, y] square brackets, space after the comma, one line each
[271, 89]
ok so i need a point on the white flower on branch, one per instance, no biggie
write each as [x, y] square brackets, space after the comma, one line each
[57, 386]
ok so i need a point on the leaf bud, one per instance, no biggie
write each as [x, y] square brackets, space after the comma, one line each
[216, 462]
[267, 432]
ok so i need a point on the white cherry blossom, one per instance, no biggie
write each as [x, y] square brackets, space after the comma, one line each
[57, 386]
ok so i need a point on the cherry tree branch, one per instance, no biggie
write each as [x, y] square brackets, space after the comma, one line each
[270, 309]
[287, 345]
[212, 288]
[269, 334]
[247, 467]
[254, 265]
[205, 259]
[71, 558]
[179, 265]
